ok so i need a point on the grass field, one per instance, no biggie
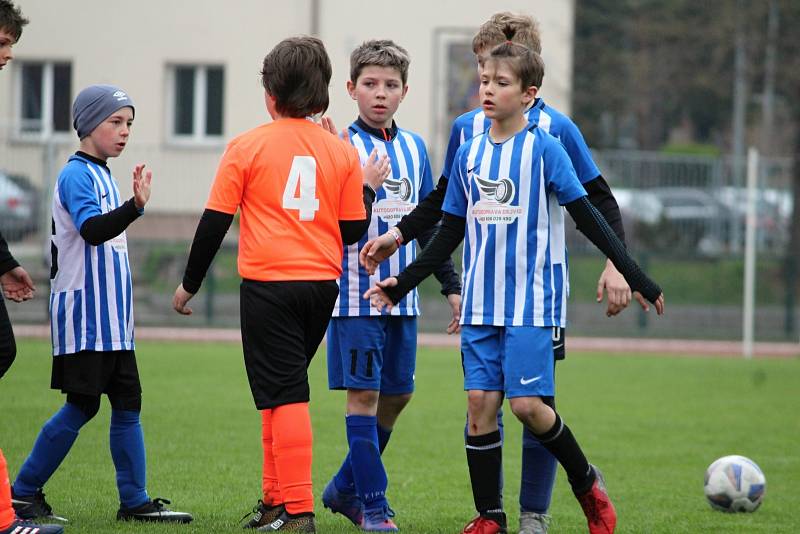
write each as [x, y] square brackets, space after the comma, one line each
[653, 424]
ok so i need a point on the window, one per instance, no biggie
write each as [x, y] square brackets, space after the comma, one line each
[196, 98]
[45, 90]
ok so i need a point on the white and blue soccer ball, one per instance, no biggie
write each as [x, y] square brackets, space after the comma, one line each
[735, 484]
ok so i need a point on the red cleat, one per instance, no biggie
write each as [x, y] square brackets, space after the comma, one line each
[597, 507]
[483, 525]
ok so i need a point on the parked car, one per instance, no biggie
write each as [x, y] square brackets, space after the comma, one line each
[18, 207]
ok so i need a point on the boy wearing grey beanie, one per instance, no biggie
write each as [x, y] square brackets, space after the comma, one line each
[91, 311]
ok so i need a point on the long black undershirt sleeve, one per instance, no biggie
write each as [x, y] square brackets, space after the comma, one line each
[353, 230]
[208, 237]
[100, 228]
[602, 198]
[592, 224]
[7, 261]
[444, 242]
[427, 213]
[446, 272]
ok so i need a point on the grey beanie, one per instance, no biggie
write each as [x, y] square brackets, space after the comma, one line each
[96, 103]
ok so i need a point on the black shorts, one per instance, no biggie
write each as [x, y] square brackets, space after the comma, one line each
[93, 373]
[282, 325]
[8, 347]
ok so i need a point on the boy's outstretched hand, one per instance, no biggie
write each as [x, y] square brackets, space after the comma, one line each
[378, 299]
[17, 285]
[141, 185]
[180, 300]
[376, 170]
[327, 124]
[659, 303]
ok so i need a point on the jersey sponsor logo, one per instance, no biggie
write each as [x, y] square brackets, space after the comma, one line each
[525, 381]
[392, 208]
[495, 207]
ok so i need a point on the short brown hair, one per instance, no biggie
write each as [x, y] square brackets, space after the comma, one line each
[11, 19]
[490, 34]
[526, 63]
[381, 53]
[296, 73]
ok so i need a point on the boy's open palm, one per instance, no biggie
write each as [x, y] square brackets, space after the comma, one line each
[17, 285]
[141, 185]
[376, 170]
[378, 299]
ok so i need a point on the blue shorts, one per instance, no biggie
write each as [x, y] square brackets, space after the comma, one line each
[517, 360]
[377, 353]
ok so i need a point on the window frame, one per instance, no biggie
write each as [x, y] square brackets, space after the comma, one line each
[198, 137]
[47, 130]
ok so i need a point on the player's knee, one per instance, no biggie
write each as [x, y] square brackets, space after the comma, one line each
[88, 404]
[528, 409]
[130, 402]
[362, 401]
[394, 403]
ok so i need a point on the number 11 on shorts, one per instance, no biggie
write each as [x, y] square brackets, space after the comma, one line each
[304, 170]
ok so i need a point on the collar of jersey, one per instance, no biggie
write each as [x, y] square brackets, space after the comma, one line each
[384, 134]
[88, 157]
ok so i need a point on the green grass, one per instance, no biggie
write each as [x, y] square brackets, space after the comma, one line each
[653, 424]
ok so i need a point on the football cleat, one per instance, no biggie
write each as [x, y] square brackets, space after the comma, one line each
[32, 506]
[262, 515]
[347, 504]
[533, 523]
[23, 526]
[483, 525]
[154, 510]
[597, 507]
[291, 523]
[378, 520]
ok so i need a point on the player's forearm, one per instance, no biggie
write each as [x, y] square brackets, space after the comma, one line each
[208, 237]
[592, 224]
[445, 273]
[427, 213]
[7, 261]
[353, 230]
[602, 198]
[446, 240]
[101, 228]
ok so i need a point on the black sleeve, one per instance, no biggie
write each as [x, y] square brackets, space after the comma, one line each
[353, 230]
[602, 198]
[100, 228]
[427, 213]
[208, 237]
[7, 261]
[592, 224]
[444, 242]
[446, 272]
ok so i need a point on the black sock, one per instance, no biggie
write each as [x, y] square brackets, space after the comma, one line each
[485, 460]
[562, 444]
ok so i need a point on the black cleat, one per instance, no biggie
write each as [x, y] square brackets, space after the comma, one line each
[154, 510]
[262, 515]
[32, 506]
[291, 523]
[23, 526]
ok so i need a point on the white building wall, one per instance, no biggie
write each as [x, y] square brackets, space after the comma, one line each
[130, 44]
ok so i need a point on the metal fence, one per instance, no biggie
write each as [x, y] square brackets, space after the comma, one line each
[683, 215]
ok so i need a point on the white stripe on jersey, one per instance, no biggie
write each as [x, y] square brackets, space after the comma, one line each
[542, 237]
[521, 258]
[544, 121]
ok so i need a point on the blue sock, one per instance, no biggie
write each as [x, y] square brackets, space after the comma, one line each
[51, 447]
[344, 478]
[127, 450]
[365, 460]
[538, 475]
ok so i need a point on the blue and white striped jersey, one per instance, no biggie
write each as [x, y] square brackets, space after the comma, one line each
[515, 257]
[91, 304]
[550, 120]
[410, 181]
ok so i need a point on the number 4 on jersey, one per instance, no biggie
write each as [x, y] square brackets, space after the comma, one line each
[304, 171]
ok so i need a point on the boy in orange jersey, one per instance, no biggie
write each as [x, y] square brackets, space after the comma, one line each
[302, 193]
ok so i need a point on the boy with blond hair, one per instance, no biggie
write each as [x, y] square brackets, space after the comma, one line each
[302, 193]
[372, 354]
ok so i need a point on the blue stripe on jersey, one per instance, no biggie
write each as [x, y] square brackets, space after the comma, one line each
[118, 287]
[88, 339]
[102, 283]
[77, 314]
[410, 176]
[62, 320]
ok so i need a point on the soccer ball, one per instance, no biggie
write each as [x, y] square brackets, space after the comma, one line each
[734, 484]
